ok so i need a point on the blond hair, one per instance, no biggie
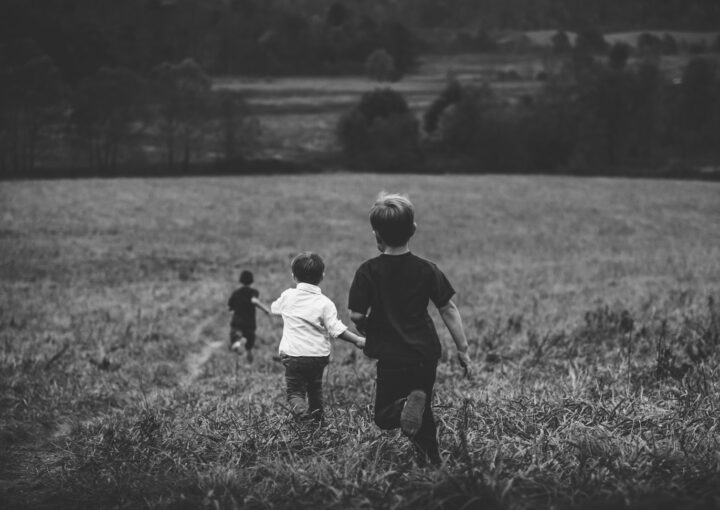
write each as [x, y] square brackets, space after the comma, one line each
[392, 216]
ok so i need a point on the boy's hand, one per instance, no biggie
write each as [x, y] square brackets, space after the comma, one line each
[360, 344]
[464, 360]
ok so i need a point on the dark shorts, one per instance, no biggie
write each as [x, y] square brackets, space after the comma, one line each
[237, 333]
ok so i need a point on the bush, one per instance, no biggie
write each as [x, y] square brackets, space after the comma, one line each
[474, 124]
[619, 55]
[561, 43]
[380, 133]
[380, 66]
[648, 43]
[590, 41]
[669, 45]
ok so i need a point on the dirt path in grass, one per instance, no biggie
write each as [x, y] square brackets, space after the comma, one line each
[26, 465]
[195, 362]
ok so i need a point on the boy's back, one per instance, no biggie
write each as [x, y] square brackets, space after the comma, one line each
[241, 303]
[398, 289]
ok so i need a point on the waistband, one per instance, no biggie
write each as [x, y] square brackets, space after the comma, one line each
[406, 363]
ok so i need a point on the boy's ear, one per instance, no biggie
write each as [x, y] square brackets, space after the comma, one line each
[414, 228]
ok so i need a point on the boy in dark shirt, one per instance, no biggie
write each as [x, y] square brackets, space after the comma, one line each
[388, 302]
[243, 303]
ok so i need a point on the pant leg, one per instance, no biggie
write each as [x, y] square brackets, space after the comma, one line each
[425, 441]
[235, 335]
[391, 389]
[295, 384]
[249, 335]
[394, 383]
[315, 371]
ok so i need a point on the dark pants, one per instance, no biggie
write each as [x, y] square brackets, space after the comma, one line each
[303, 377]
[239, 332]
[395, 381]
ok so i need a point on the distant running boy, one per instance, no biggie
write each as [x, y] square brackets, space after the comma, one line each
[309, 321]
[243, 303]
[388, 302]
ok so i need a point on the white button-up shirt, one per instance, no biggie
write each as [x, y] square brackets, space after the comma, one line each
[309, 320]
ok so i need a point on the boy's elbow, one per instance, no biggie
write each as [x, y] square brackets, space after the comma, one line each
[356, 317]
[448, 308]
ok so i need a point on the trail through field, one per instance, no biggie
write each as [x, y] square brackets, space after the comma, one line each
[195, 362]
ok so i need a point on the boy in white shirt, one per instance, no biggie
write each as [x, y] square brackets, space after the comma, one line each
[309, 321]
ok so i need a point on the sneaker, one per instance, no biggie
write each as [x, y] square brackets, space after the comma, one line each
[412, 412]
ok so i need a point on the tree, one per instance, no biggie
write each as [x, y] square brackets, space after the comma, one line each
[184, 98]
[107, 108]
[619, 55]
[380, 66]
[648, 43]
[561, 43]
[31, 96]
[380, 132]
[590, 41]
[239, 131]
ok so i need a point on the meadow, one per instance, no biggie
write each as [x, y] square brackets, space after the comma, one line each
[591, 306]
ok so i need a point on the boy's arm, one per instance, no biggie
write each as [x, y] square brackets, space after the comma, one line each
[451, 317]
[359, 320]
[262, 306]
[351, 337]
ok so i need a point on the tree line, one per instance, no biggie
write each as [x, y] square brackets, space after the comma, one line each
[103, 121]
[599, 113]
[272, 37]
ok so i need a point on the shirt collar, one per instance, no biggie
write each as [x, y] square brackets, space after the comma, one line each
[309, 287]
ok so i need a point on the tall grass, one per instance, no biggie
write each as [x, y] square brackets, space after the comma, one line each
[591, 305]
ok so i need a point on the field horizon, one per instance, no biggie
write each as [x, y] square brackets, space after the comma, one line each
[591, 306]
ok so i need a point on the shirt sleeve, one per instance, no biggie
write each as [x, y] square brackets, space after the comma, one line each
[360, 298]
[333, 325]
[440, 291]
[277, 305]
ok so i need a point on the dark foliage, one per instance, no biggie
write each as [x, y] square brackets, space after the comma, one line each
[381, 133]
[592, 118]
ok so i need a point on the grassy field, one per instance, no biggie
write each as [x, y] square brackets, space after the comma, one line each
[591, 306]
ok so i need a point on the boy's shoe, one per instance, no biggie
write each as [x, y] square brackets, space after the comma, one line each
[236, 346]
[412, 412]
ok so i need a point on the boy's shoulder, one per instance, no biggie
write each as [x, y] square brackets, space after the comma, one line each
[409, 258]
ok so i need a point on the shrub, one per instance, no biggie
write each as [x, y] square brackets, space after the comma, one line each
[561, 43]
[380, 132]
[649, 43]
[590, 41]
[619, 55]
[669, 45]
[380, 66]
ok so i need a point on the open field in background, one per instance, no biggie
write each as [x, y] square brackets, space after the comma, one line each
[544, 37]
[591, 306]
[299, 115]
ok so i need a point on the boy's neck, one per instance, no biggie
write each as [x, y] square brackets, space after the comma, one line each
[396, 250]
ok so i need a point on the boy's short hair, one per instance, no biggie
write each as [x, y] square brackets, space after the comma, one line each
[246, 278]
[392, 216]
[308, 267]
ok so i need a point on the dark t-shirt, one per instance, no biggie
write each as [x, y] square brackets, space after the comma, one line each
[397, 290]
[244, 310]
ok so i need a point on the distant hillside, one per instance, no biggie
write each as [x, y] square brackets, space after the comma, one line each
[293, 37]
